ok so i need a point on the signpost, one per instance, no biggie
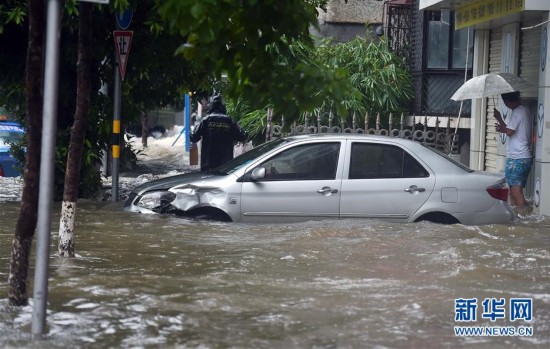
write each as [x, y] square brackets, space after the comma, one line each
[123, 42]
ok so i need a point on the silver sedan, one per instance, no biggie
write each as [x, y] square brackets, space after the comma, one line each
[333, 176]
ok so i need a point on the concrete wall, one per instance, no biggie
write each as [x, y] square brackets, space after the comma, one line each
[166, 118]
[344, 21]
[354, 11]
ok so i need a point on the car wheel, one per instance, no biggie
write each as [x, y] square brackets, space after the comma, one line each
[438, 217]
[210, 214]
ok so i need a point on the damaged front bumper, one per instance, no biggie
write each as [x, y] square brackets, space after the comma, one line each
[178, 200]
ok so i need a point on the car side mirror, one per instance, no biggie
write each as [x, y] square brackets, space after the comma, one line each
[257, 173]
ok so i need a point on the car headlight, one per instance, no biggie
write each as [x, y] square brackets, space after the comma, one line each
[157, 201]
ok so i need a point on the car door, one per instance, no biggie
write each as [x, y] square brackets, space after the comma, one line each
[300, 183]
[383, 181]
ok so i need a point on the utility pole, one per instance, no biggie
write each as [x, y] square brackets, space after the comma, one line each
[47, 166]
[116, 137]
[123, 40]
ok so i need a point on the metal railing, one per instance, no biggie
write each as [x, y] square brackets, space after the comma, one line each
[441, 138]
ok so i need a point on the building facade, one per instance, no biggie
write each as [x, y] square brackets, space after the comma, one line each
[508, 36]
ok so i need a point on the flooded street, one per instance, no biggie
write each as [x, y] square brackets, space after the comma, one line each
[144, 281]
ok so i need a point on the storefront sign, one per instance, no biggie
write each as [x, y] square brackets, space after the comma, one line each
[485, 10]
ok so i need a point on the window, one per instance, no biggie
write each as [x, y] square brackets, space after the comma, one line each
[383, 161]
[8, 137]
[446, 47]
[317, 161]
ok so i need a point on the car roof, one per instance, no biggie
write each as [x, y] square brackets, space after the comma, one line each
[351, 136]
[11, 126]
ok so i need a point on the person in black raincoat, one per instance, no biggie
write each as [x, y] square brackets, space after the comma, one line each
[218, 133]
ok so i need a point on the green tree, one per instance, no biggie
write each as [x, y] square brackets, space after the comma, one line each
[377, 81]
[218, 37]
[154, 79]
[66, 247]
[243, 39]
[26, 223]
[26, 101]
[381, 77]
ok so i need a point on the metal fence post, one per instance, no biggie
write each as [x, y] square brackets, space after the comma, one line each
[268, 130]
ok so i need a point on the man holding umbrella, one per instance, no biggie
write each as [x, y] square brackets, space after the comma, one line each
[519, 156]
[517, 128]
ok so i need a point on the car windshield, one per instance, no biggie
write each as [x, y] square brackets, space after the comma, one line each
[10, 137]
[243, 159]
[448, 158]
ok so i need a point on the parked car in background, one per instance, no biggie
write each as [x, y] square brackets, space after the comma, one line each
[333, 176]
[10, 133]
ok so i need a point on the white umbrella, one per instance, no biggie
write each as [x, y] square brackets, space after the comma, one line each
[489, 85]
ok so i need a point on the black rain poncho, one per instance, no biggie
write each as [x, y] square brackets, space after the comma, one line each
[218, 133]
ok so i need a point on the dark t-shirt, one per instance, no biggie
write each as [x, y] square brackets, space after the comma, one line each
[218, 133]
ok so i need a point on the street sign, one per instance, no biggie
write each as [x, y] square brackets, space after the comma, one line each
[124, 18]
[123, 41]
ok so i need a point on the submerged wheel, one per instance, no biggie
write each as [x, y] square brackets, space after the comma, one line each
[209, 213]
[438, 217]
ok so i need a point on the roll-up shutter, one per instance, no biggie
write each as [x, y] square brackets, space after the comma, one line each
[529, 64]
[491, 136]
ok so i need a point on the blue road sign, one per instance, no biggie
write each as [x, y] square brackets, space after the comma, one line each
[123, 19]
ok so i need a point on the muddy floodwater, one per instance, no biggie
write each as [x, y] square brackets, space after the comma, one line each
[151, 281]
[148, 281]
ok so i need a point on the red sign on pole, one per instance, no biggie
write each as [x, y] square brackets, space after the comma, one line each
[123, 41]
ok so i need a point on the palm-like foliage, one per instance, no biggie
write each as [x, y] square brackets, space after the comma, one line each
[380, 76]
[375, 80]
[253, 121]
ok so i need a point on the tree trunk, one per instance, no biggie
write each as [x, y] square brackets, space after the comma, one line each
[28, 215]
[66, 245]
[144, 128]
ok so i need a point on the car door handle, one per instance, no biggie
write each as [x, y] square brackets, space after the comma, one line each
[414, 188]
[327, 191]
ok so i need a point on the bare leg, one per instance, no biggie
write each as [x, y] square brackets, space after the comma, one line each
[522, 208]
[516, 195]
